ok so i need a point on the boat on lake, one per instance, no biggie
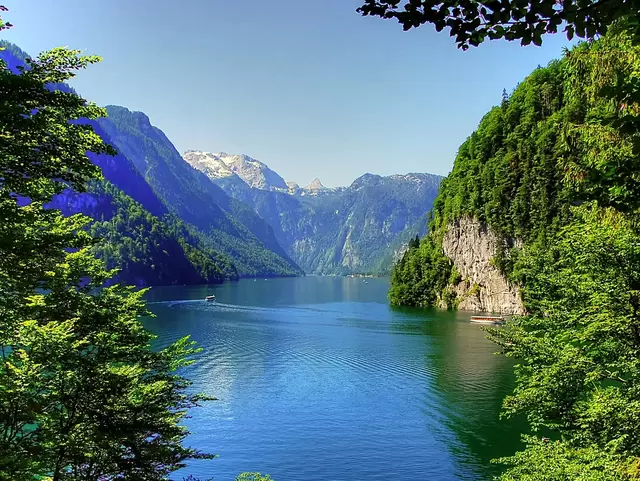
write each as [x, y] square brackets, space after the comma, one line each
[487, 319]
[210, 298]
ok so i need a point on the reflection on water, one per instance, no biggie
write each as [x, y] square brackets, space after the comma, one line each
[473, 380]
[318, 379]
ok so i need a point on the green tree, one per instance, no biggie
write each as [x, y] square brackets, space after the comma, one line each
[82, 395]
[473, 21]
[602, 151]
[579, 352]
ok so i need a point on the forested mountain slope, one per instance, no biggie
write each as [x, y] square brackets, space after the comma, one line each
[355, 229]
[229, 226]
[144, 234]
[513, 183]
[505, 188]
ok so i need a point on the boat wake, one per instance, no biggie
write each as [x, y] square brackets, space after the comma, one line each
[202, 304]
[297, 312]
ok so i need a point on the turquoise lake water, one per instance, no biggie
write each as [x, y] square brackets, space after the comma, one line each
[319, 379]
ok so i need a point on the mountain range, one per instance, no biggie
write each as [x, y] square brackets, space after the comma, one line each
[202, 217]
[328, 230]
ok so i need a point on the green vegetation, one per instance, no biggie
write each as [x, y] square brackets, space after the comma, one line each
[579, 352]
[421, 277]
[473, 21]
[556, 166]
[149, 250]
[579, 347]
[82, 395]
[508, 174]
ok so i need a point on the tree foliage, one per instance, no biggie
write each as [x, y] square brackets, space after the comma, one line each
[579, 351]
[82, 396]
[473, 21]
[421, 276]
[556, 166]
[603, 79]
[567, 134]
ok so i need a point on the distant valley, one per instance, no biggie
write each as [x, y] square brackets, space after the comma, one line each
[361, 228]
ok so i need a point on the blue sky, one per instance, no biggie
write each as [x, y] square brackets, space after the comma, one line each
[309, 87]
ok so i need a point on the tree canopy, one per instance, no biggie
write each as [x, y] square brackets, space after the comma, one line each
[82, 395]
[578, 352]
[473, 21]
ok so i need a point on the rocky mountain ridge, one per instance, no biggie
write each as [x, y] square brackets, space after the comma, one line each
[230, 169]
[360, 228]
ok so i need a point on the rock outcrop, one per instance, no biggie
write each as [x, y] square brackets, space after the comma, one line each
[471, 247]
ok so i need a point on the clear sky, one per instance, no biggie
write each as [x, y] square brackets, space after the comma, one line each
[309, 87]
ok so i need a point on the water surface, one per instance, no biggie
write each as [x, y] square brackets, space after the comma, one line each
[318, 379]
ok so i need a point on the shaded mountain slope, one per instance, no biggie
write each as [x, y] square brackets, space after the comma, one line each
[331, 231]
[229, 225]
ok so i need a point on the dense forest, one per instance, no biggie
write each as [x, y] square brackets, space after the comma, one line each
[152, 251]
[519, 173]
[553, 172]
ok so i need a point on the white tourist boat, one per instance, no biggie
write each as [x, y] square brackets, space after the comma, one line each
[487, 319]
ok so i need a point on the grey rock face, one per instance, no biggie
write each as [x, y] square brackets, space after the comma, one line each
[471, 246]
[221, 165]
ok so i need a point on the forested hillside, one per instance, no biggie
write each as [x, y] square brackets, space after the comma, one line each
[519, 174]
[549, 182]
[146, 249]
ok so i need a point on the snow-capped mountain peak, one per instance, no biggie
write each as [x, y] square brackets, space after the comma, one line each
[253, 172]
[210, 164]
[315, 185]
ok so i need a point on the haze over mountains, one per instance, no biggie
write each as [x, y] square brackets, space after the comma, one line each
[208, 217]
[328, 230]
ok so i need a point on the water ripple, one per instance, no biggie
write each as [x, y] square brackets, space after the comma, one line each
[335, 389]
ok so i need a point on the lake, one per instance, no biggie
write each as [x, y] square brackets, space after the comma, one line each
[319, 379]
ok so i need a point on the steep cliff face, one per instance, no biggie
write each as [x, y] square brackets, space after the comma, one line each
[510, 175]
[471, 246]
